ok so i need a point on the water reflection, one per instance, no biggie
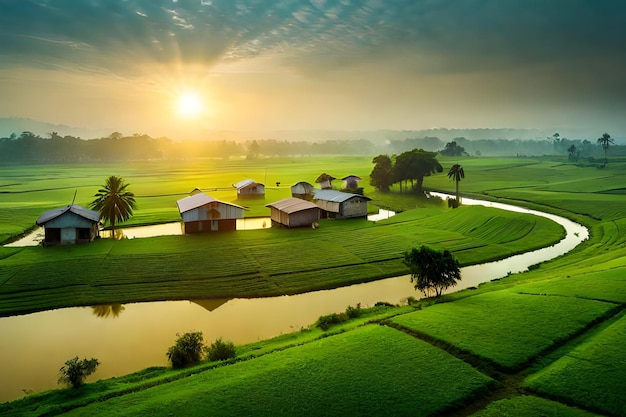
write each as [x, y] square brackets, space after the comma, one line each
[211, 303]
[106, 310]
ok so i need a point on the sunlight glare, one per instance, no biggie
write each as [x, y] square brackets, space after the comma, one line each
[190, 104]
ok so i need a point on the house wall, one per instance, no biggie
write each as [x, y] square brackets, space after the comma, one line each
[354, 207]
[329, 206]
[213, 211]
[298, 219]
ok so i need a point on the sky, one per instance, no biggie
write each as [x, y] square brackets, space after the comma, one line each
[317, 64]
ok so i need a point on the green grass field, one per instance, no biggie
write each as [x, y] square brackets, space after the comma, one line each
[505, 328]
[591, 375]
[364, 372]
[545, 342]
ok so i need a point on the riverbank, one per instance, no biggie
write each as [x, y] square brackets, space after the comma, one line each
[258, 263]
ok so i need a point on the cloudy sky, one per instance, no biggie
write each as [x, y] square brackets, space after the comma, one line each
[316, 64]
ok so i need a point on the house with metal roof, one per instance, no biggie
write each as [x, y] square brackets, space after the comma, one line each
[302, 190]
[340, 205]
[71, 224]
[249, 188]
[293, 212]
[203, 213]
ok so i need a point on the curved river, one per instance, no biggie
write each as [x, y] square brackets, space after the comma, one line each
[130, 337]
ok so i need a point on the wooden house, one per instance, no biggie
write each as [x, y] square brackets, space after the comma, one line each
[302, 190]
[351, 182]
[203, 213]
[71, 224]
[294, 212]
[249, 188]
[340, 205]
[325, 181]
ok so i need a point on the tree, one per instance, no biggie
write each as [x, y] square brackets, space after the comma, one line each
[605, 140]
[573, 153]
[457, 173]
[415, 165]
[453, 149]
[432, 271]
[75, 371]
[382, 174]
[114, 201]
[188, 350]
[220, 350]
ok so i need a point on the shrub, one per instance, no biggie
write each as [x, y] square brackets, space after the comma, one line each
[353, 312]
[324, 322]
[75, 371]
[220, 350]
[187, 350]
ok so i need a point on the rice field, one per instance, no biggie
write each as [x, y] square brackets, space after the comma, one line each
[545, 342]
[591, 375]
[505, 328]
[364, 372]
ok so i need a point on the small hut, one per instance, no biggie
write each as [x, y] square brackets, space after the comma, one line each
[249, 188]
[71, 224]
[302, 190]
[340, 205]
[294, 212]
[325, 181]
[351, 182]
[203, 213]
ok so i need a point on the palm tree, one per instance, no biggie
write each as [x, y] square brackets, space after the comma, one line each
[457, 173]
[605, 140]
[114, 202]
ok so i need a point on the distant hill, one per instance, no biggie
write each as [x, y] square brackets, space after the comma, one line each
[18, 125]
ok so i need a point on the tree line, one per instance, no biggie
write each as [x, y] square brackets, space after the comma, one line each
[28, 147]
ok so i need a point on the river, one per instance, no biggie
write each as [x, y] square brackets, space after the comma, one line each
[130, 337]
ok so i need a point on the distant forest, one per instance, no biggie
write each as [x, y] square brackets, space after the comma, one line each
[29, 148]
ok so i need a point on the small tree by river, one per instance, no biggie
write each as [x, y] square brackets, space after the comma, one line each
[75, 371]
[432, 271]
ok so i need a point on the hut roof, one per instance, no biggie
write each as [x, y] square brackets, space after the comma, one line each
[244, 183]
[92, 215]
[292, 205]
[356, 177]
[325, 177]
[336, 196]
[198, 200]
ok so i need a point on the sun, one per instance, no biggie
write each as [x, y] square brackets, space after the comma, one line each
[190, 104]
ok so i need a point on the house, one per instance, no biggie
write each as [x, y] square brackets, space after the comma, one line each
[325, 181]
[351, 182]
[249, 188]
[203, 213]
[71, 224]
[294, 212]
[302, 190]
[340, 205]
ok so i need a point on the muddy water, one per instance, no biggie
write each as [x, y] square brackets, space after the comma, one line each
[134, 336]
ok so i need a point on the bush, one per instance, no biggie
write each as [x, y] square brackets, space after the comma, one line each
[187, 350]
[324, 322]
[353, 312]
[220, 350]
[75, 371]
